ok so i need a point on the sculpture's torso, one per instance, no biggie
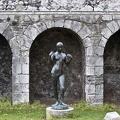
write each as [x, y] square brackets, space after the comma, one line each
[59, 59]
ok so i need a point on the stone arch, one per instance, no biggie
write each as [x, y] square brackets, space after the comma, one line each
[110, 29]
[111, 67]
[5, 68]
[51, 34]
[82, 30]
[107, 33]
[7, 32]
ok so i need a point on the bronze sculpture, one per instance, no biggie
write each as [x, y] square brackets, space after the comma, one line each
[57, 73]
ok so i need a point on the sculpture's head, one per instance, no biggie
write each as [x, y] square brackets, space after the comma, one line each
[59, 46]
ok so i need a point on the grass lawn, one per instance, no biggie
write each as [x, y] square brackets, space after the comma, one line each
[36, 111]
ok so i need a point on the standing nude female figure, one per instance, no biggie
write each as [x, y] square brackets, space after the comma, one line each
[59, 58]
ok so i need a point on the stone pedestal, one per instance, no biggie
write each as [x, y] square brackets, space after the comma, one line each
[52, 114]
[112, 116]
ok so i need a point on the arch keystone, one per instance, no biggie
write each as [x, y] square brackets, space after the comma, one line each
[67, 24]
[59, 23]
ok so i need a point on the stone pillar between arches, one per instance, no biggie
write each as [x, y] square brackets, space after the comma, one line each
[20, 78]
[94, 72]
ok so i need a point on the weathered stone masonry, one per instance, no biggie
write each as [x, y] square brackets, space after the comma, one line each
[94, 29]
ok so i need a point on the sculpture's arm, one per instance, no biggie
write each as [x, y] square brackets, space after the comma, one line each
[68, 59]
[51, 56]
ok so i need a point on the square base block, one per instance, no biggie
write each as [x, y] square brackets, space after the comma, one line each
[112, 116]
[51, 114]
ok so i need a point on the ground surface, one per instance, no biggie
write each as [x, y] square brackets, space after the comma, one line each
[36, 111]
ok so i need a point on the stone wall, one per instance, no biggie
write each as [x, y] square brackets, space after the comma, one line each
[93, 29]
[60, 5]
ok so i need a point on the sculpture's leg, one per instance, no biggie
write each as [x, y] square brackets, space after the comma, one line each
[61, 82]
[54, 79]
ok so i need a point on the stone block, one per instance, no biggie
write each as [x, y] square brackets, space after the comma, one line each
[89, 51]
[25, 88]
[8, 33]
[94, 61]
[26, 41]
[87, 42]
[113, 26]
[20, 87]
[94, 99]
[25, 54]
[84, 32]
[20, 79]
[31, 32]
[90, 70]
[107, 17]
[98, 99]
[40, 27]
[76, 26]
[16, 60]
[59, 23]
[53, 114]
[3, 27]
[115, 17]
[99, 51]
[90, 79]
[20, 98]
[13, 42]
[102, 43]
[15, 79]
[98, 61]
[49, 23]
[15, 51]
[112, 116]
[67, 24]
[90, 99]
[26, 18]
[90, 89]
[99, 71]
[34, 18]
[106, 33]
[16, 69]
[90, 61]
[3, 17]
[16, 88]
[99, 89]
[104, 40]
[25, 69]
[12, 17]
[24, 60]
[118, 21]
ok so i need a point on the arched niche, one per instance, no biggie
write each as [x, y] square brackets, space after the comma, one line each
[40, 79]
[5, 68]
[112, 69]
